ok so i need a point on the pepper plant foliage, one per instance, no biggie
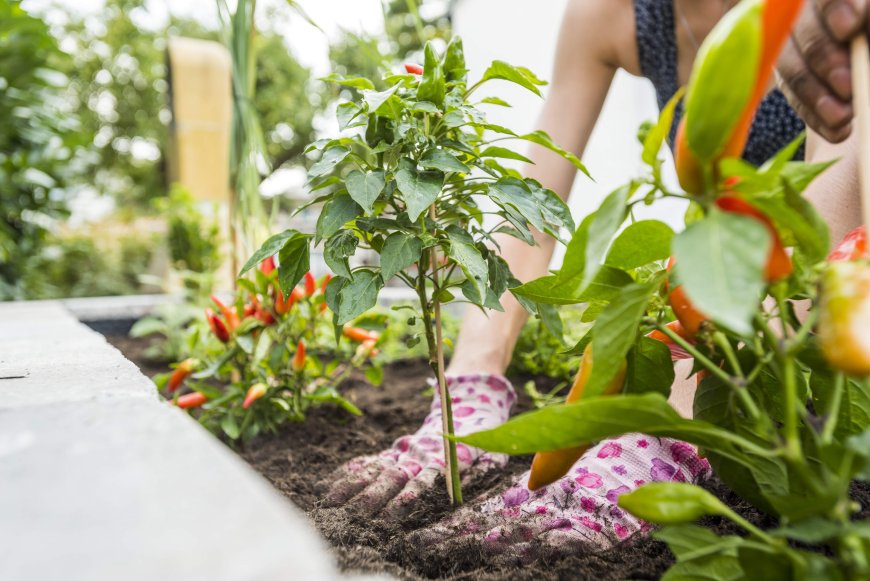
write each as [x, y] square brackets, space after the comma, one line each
[267, 359]
[420, 183]
[781, 425]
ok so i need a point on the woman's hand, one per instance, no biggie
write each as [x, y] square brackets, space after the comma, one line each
[814, 69]
[389, 483]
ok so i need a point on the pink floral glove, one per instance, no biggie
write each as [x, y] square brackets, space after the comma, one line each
[391, 481]
[577, 512]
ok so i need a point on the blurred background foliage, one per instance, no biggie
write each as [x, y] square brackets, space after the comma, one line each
[86, 119]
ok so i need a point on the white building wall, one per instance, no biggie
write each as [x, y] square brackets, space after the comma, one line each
[524, 32]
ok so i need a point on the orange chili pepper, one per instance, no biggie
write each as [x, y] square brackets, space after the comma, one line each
[191, 400]
[779, 264]
[255, 392]
[182, 370]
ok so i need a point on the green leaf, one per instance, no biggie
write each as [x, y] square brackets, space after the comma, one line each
[604, 225]
[271, 247]
[353, 82]
[374, 99]
[399, 252]
[860, 444]
[656, 137]
[340, 246]
[364, 188]
[672, 503]
[358, 295]
[518, 75]
[504, 153]
[463, 251]
[544, 140]
[328, 394]
[715, 101]
[650, 368]
[374, 375]
[554, 290]
[685, 539]
[294, 260]
[420, 188]
[230, 427]
[330, 158]
[516, 194]
[553, 208]
[335, 214]
[441, 160]
[432, 86]
[614, 334]
[720, 263]
[640, 244]
[496, 101]
[595, 418]
[346, 113]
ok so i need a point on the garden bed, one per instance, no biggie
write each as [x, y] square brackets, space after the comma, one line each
[301, 457]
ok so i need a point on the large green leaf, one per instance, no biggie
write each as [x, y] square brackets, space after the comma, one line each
[294, 260]
[640, 244]
[271, 247]
[518, 75]
[341, 246]
[614, 334]
[593, 419]
[554, 290]
[516, 194]
[420, 188]
[365, 188]
[723, 79]
[604, 225]
[399, 252]
[650, 368]
[463, 251]
[720, 262]
[358, 295]
[330, 158]
[337, 212]
[441, 160]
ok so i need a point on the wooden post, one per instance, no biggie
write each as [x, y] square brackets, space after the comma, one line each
[861, 106]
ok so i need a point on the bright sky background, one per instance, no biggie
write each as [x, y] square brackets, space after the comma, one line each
[308, 44]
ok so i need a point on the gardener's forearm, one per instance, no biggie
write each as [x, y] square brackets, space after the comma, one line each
[486, 341]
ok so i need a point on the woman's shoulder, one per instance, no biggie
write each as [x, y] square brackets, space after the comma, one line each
[609, 26]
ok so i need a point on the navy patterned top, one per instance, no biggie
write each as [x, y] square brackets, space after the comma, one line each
[776, 123]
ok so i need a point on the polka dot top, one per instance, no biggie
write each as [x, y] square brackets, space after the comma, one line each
[776, 123]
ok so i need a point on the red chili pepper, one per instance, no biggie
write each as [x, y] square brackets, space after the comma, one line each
[264, 317]
[779, 264]
[690, 317]
[357, 334]
[267, 267]
[325, 282]
[217, 326]
[182, 370]
[255, 392]
[852, 247]
[191, 400]
[298, 363]
[414, 69]
[230, 315]
[310, 284]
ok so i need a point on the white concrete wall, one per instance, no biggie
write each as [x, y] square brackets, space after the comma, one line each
[523, 32]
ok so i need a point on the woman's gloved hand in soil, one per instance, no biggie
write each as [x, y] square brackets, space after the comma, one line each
[388, 483]
[578, 512]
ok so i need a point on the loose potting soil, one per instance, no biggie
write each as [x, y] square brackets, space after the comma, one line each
[300, 459]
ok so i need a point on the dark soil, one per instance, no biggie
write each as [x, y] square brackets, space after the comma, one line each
[303, 456]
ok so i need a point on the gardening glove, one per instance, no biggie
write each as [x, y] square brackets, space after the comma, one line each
[577, 513]
[390, 482]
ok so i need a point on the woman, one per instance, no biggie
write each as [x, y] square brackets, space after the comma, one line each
[657, 39]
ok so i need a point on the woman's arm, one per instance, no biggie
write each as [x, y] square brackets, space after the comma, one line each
[584, 67]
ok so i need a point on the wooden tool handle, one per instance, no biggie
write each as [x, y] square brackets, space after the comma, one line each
[861, 106]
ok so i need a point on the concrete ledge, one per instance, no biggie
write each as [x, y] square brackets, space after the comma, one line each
[102, 481]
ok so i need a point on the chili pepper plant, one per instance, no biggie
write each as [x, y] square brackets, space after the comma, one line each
[779, 339]
[268, 358]
[418, 181]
